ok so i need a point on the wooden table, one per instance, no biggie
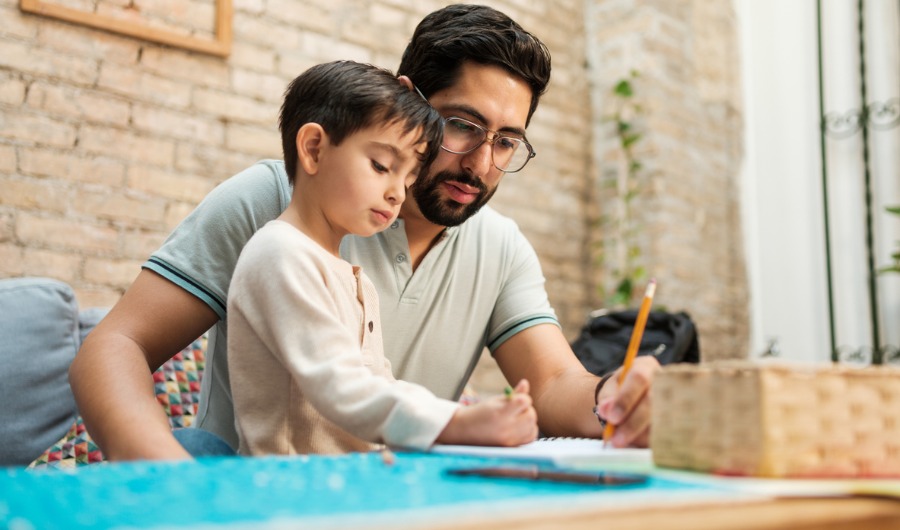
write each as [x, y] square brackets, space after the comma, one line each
[854, 513]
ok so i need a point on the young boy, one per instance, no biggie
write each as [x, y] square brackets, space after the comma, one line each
[308, 372]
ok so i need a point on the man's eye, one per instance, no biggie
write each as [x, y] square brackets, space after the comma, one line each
[461, 126]
[378, 167]
[506, 143]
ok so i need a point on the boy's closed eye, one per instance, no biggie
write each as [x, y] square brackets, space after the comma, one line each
[377, 166]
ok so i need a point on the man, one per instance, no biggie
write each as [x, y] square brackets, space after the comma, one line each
[452, 276]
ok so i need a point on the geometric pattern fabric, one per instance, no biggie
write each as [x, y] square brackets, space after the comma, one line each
[74, 449]
[177, 386]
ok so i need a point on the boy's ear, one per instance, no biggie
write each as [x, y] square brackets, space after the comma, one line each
[406, 81]
[310, 140]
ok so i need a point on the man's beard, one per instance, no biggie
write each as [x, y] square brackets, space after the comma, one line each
[445, 211]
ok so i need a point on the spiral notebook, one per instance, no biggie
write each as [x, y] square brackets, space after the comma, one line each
[562, 452]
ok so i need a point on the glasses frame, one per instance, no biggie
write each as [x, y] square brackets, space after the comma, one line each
[497, 135]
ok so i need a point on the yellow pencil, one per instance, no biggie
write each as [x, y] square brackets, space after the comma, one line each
[633, 346]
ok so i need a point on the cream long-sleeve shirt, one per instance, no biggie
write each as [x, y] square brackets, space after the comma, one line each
[308, 371]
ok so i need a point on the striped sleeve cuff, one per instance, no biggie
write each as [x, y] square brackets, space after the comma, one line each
[184, 281]
[519, 326]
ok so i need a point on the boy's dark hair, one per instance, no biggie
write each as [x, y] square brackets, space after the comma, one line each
[344, 97]
[448, 37]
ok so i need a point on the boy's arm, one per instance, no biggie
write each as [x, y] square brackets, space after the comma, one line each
[111, 375]
[563, 391]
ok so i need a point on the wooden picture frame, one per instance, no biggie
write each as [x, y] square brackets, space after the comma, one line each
[220, 46]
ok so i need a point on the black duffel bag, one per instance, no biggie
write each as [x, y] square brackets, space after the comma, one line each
[670, 337]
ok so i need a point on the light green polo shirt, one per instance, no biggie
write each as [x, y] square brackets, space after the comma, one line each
[478, 286]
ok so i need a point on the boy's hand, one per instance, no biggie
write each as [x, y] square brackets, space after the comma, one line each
[500, 420]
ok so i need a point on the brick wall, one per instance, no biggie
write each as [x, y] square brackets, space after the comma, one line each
[688, 85]
[107, 142]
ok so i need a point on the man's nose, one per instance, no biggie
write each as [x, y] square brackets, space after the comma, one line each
[479, 162]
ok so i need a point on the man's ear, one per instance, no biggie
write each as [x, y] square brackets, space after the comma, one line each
[310, 140]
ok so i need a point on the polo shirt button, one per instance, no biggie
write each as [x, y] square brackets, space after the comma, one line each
[400, 258]
[371, 326]
[395, 224]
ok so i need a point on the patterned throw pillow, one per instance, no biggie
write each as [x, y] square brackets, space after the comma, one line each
[177, 385]
[74, 449]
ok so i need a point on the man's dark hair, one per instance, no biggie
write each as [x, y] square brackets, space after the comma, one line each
[448, 37]
[344, 97]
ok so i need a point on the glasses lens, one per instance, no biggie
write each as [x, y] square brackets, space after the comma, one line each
[510, 154]
[461, 136]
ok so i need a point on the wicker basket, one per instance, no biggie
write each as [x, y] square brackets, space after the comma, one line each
[777, 420]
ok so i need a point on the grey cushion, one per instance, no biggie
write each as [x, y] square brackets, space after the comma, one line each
[88, 319]
[39, 336]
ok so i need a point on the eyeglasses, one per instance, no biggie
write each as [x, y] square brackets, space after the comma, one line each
[508, 153]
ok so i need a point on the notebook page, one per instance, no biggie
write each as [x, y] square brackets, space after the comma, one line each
[559, 451]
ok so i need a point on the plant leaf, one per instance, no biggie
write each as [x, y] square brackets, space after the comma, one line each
[629, 139]
[640, 273]
[620, 300]
[623, 89]
[625, 288]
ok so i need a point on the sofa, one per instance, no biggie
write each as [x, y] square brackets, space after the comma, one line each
[41, 329]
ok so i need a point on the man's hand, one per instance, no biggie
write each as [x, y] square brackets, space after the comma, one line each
[628, 407]
[500, 420]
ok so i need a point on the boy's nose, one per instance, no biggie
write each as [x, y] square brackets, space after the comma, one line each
[396, 193]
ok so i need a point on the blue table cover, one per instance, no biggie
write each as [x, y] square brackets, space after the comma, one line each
[317, 490]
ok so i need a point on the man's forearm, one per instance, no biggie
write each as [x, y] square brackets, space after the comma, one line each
[114, 391]
[111, 375]
[565, 407]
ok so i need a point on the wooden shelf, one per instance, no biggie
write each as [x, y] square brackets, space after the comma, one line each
[220, 46]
